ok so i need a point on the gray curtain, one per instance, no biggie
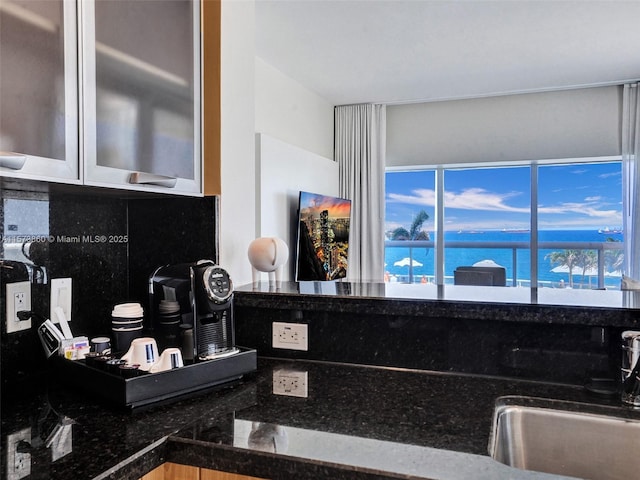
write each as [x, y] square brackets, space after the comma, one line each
[631, 178]
[360, 145]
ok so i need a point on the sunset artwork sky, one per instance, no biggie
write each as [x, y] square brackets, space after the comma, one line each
[312, 204]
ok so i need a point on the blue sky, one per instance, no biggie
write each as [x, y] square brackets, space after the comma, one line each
[581, 197]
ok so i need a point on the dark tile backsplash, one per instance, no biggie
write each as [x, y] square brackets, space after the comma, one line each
[505, 340]
[108, 245]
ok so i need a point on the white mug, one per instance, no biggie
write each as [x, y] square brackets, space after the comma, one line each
[170, 358]
[143, 351]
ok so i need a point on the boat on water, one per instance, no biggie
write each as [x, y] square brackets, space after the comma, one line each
[607, 230]
[516, 230]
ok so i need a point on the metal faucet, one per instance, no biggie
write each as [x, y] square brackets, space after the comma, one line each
[631, 368]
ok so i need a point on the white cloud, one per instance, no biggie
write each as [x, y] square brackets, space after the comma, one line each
[483, 200]
[612, 174]
[470, 199]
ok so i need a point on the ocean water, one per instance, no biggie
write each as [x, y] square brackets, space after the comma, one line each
[455, 257]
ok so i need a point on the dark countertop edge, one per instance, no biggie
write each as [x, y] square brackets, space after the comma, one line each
[139, 464]
[432, 308]
[266, 465]
[230, 459]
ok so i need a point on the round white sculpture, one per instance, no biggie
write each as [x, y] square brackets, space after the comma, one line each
[268, 254]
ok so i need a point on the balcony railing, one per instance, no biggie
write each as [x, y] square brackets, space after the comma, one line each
[598, 247]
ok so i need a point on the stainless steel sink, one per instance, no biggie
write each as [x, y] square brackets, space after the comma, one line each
[566, 439]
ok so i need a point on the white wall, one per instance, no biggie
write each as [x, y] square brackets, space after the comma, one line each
[256, 95]
[238, 200]
[284, 170]
[288, 111]
[551, 125]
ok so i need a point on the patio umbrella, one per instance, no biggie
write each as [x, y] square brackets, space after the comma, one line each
[407, 261]
[486, 263]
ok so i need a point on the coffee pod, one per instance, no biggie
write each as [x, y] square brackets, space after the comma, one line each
[100, 344]
[113, 365]
[90, 358]
[101, 361]
[130, 371]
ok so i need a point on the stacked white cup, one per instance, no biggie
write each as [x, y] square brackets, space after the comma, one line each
[126, 324]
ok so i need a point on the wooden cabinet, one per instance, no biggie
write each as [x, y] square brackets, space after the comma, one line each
[39, 90]
[174, 471]
[211, 68]
[147, 88]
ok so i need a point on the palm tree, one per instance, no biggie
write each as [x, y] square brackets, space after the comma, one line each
[587, 259]
[568, 258]
[613, 259]
[575, 259]
[415, 232]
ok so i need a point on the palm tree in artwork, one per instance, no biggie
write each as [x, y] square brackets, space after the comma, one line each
[415, 232]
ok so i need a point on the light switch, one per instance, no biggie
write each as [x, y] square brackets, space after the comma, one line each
[61, 296]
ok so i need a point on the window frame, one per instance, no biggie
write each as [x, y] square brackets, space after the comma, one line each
[439, 202]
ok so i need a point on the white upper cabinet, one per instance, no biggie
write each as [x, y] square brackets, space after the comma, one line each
[39, 90]
[141, 94]
[102, 92]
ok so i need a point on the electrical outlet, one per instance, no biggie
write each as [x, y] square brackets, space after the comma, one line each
[60, 297]
[291, 336]
[18, 297]
[293, 383]
[18, 461]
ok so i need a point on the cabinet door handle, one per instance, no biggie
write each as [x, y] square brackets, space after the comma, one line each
[14, 161]
[141, 178]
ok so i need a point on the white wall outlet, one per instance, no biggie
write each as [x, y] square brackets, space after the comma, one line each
[18, 461]
[60, 297]
[291, 336]
[293, 383]
[18, 298]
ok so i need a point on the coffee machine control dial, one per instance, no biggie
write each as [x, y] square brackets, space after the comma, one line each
[217, 284]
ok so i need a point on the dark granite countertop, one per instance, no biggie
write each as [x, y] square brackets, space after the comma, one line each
[355, 422]
[613, 308]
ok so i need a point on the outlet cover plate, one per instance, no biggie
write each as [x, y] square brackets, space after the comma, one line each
[290, 336]
[18, 297]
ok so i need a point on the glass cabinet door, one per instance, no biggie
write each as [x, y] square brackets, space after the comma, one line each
[39, 89]
[142, 94]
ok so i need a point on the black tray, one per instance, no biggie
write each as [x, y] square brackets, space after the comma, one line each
[155, 387]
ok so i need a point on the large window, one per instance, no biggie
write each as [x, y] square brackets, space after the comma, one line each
[571, 237]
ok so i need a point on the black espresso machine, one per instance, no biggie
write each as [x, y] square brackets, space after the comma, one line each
[192, 308]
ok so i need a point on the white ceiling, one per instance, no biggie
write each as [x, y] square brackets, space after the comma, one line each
[394, 51]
